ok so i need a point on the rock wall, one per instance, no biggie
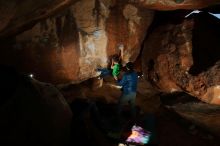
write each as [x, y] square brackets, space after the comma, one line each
[66, 40]
[169, 57]
[17, 15]
[127, 25]
[71, 45]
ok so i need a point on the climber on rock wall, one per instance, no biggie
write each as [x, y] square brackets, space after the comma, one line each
[114, 70]
[115, 66]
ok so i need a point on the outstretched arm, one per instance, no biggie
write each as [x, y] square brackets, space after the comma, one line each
[116, 78]
[112, 65]
[121, 48]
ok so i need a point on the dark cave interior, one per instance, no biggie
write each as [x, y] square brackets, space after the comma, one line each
[51, 95]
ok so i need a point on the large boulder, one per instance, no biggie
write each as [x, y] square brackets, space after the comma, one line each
[184, 57]
[32, 112]
[201, 114]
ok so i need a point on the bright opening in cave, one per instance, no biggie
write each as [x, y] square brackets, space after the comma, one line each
[217, 15]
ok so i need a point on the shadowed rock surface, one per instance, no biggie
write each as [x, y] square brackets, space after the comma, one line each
[171, 60]
[32, 112]
[204, 115]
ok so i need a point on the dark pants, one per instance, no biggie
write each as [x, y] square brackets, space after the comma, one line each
[104, 72]
[127, 99]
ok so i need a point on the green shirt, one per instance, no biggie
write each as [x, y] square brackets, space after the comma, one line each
[116, 70]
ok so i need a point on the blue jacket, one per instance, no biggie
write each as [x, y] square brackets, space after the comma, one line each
[129, 82]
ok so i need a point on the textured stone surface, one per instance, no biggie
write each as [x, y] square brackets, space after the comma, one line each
[176, 58]
[17, 16]
[71, 45]
[127, 25]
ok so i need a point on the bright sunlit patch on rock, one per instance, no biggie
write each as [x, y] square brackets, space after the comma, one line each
[193, 12]
[173, 90]
[114, 86]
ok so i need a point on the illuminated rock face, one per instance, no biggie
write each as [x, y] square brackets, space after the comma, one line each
[66, 40]
[127, 25]
[183, 57]
[70, 46]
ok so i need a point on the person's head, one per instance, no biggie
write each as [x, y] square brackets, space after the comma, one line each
[130, 66]
[115, 59]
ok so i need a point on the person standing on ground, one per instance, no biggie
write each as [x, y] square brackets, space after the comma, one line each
[129, 88]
